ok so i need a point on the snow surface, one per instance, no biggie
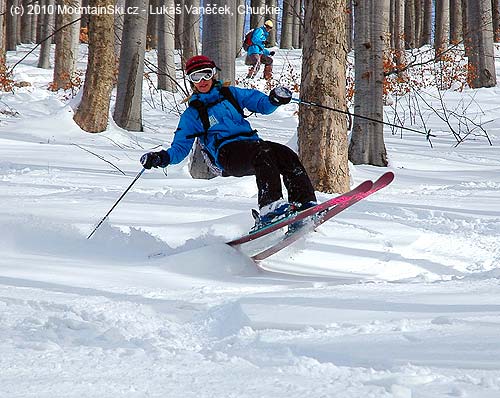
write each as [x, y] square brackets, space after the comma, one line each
[396, 297]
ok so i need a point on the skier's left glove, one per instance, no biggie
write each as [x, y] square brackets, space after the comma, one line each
[155, 159]
[280, 96]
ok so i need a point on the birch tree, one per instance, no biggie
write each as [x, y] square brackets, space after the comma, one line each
[322, 134]
[367, 138]
[93, 111]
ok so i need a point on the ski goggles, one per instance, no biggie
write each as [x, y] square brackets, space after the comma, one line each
[203, 74]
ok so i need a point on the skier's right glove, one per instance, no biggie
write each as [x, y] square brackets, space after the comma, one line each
[280, 96]
[155, 159]
[271, 53]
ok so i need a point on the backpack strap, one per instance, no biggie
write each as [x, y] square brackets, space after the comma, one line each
[202, 109]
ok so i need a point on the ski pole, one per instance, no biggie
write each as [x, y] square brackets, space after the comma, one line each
[118, 201]
[300, 101]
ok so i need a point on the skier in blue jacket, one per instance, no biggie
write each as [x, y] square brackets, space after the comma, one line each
[258, 53]
[231, 147]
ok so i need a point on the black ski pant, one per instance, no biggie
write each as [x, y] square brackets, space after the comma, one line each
[268, 161]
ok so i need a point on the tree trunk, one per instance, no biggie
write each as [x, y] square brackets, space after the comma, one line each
[496, 20]
[297, 21]
[349, 25]
[191, 32]
[216, 29]
[286, 25]
[240, 26]
[11, 20]
[481, 56]
[128, 110]
[166, 41]
[93, 111]
[367, 139]
[118, 29]
[322, 134]
[179, 26]
[3, 33]
[465, 27]
[418, 22]
[48, 21]
[272, 4]
[456, 35]
[426, 23]
[152, 35]
[66, 47]
[26, 23]
[409, 24]
[398, 31]
[442, 27]
[256, 18]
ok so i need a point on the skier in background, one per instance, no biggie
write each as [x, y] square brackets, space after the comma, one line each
[258, 54]
[231, 147]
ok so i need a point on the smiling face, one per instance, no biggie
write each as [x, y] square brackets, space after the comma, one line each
[204, 86]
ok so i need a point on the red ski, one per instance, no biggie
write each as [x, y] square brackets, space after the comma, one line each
[344, 198]
[327, 209]
[290, 238]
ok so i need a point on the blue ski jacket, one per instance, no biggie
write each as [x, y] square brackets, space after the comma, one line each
[226, 123]
[259, 36]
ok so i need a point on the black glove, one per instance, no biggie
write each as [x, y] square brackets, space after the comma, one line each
[280, 96]
[271, 53]
[155, 159]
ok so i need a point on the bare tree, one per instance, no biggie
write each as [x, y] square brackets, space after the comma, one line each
[398, 30]
[418, 21]
[496, 20]
[409, 24]
[286, 25]
[297, 21]
[166, 42]
[3, 32]
[152, 31]
[481, 53]
[93, 112]
[11, 21]
[426, 23]
[47, 28]
[118, 29]
[272, 4]
[456, 35]
[26, 23]
[128, 109]
[240, 26]
[367, 139]
[442, 26]
[191, 31]
[322, 137]
[257, 19]
[67, 40]
[349, 24]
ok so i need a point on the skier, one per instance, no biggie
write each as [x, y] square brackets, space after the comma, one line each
[231, 147]
[258, 54]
